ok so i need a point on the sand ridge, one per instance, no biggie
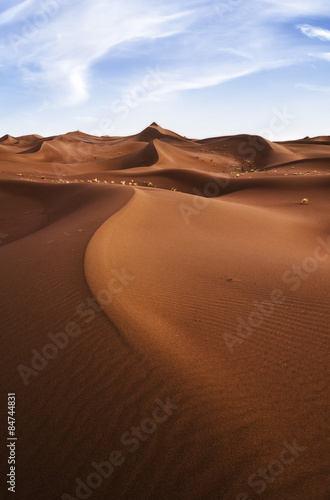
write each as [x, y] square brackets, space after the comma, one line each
[193, 273]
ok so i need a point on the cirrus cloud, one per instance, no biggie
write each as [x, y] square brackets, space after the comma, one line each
[315, 32]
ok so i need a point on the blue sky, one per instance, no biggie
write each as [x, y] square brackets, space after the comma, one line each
[200, 68]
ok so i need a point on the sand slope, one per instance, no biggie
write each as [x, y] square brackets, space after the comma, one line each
[214, 283]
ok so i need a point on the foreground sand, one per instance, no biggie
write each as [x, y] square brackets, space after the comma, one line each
[206, 374]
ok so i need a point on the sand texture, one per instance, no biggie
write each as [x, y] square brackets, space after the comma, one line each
[165, 312]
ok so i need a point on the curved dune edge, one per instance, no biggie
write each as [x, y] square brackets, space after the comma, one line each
[190, 283]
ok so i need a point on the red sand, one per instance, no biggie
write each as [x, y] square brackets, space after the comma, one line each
[183, 241]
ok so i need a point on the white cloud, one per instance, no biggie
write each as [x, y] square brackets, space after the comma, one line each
[313, 88]
[187, 80]
[78, 85]
[68, 43]
[314, 32]
[194, 44]
[320, 55]
[293, 8]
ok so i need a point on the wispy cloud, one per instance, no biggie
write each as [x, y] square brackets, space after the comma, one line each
[314, 88]
[315, 32]
[187, 80]
[324, 55]
[68, 40]
[15, 12]
[78, 85]
[78, 58]
[295, 8]
[71, 40]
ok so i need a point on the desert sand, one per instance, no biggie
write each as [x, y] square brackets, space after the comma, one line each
[165, 316]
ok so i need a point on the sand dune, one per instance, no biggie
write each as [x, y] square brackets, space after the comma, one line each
[165, 304]
[8, 139]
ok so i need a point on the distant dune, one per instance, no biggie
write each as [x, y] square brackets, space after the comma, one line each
[165, 312]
